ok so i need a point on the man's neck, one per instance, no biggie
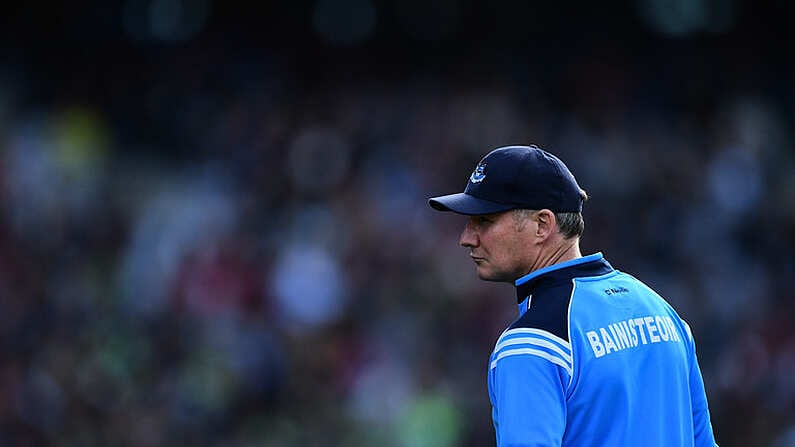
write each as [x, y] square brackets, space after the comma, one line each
[566, 250]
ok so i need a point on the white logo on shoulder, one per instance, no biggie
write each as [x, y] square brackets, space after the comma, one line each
[479, 174]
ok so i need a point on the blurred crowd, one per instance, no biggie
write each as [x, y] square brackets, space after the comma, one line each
[224, 248]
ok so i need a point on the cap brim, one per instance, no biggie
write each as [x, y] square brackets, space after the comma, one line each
[463, 203]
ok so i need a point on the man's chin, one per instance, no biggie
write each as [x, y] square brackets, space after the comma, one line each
[486, 275]
[489, 276]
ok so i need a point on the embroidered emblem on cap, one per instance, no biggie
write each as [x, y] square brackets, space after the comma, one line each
[479, 174]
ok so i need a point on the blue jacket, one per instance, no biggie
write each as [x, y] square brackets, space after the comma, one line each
[596, 358]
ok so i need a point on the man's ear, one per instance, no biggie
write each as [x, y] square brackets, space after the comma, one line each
[547, 224]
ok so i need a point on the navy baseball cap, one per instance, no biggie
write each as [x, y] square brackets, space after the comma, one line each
[514, 177]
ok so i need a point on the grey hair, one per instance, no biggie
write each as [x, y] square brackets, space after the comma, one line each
[569, 224]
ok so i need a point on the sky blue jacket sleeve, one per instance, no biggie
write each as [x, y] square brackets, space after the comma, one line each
[529, 401]
[702, 427]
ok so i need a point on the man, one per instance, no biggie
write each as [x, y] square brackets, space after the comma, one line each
[596, 357]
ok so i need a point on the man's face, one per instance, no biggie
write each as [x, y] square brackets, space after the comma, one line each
[501, 248]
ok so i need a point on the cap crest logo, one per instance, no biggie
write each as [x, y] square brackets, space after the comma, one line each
[479, 174]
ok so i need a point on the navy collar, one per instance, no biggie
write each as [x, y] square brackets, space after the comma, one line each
[591, 265]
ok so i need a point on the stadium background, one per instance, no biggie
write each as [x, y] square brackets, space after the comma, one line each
[213, 227]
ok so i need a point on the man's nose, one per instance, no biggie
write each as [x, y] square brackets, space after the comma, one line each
[469, 237]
